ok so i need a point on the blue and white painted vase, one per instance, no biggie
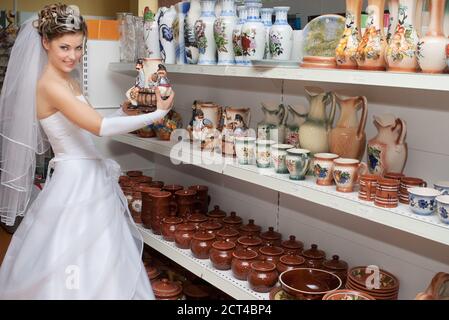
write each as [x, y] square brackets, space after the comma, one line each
[281, 35]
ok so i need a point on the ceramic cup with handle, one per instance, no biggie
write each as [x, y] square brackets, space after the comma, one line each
[346, 173]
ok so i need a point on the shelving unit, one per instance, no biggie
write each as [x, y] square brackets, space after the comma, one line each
[435, 82]
[401, 218]
[202, 268]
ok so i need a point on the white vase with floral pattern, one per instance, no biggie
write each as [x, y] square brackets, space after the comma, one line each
[237, 36]
[151, 36]
[191, 46]
[223, 30]
[266, 15]
[204, 33]
[347, 47]
[181, 9]
[253, 33]
[166, 20]
[281, 35]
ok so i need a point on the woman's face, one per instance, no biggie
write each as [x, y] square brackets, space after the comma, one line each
[65, 52]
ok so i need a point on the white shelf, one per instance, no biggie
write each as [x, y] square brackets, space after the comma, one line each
[437, 82]
[428, 227]
[202, 268]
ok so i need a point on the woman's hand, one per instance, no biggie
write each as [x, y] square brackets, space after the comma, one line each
[164, 104]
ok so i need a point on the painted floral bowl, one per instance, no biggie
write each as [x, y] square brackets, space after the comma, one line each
[364, 278]
[442, 186]
[443, 208]
[422, 200]
[346, 294]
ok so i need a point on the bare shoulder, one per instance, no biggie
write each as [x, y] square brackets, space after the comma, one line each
[48, 91]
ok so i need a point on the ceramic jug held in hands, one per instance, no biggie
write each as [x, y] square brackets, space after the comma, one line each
[348, 138]
[387, 152]
[314, 133]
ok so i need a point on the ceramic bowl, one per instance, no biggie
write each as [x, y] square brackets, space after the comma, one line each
[442, 186]
[308, 283]
[422, 200]
[361, 277]
[443, 208]
[347, 295]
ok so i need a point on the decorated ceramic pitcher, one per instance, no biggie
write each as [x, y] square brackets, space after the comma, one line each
[271, 127]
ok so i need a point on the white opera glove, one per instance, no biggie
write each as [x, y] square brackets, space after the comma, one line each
[120, 125]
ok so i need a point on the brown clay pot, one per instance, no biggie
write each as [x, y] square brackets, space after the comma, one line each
[271, 237]
[147, 204]
[201, 244]
[123, 179]
[184, 234]
[387, 193]
[227, 233]
[135, 206]
[368, 187]
[211, 226]
[251, 242]
[216, 214]
[172, 188]
[197, 292]
[271, 253]
[161, 207]
[186, 202]
[233, 220]
[134, 173]
[250, 229]
[143, 179]
[292, 246]
[337, 267]
[241, 262]
[167, 290]
[152, 272]
[263, 276]
[314, 257]
[169, 227]
[202, 198]
[197, 218]
[221, 254]
[290, 261]
[157, 184]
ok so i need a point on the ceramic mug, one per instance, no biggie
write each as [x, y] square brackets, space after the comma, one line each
[422, 200]
[346, 173]
[442, 186]
[297, 161]
[279, 154]
[245, 149]
[443, 208]
[368, 187]
[406, 183]
[263, 153]
[323, 166]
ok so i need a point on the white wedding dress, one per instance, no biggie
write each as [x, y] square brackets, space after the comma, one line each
[77, 240]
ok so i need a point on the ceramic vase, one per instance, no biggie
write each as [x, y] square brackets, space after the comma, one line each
[191, 46]
[266, 16]
[281, 35]
[253, 33]
[151, 36]
[393, 8]
[204, 33]
[348, 138]
[387, 152]
[223, 29]
[314, 133]
[179, 30]
[166, 20]
[263, 153]
[271, 127]
[401, 52]
[346, 51]
[240, 59]
[293, 122]
[432, 53]
[371, 50]
[245, 148]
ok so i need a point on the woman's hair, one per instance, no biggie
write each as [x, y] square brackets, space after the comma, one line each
[55, 20]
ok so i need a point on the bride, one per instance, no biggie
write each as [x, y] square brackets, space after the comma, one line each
[77, 240]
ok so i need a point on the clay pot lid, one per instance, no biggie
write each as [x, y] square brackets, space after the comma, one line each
[172, 220]
[292, 243]
[147, 189]
[263, 266]
[211, 225]
[251, 227]
[249, 240]
[197, 291]
[160, 194]
[172, 187]
[233, 219]
[203, 236]
[271, 251]
[143, 179]
[197, 218]
[314, 253]
[292, 260]
[271, 234]
[245, 254]
[165, 288]
[224, 245]
[186, 227]
[228, 232]
[134, 173]
[216, 213]
[199, 188]
[185, 193]
[335, 263]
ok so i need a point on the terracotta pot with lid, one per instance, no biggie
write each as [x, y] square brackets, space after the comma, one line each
[202, 198]
[314, 257]
[161, 207]
[233, 220]
[143, 179]
[172, 188]
[169, 227]
[251, 242]
[157, 184]
[271, 253]
[211, 226]
[292, 246]
[250, 229]
[217, 214]
[197, 292]
[290, 261]
[184, 235]
[338, 267]
[147, 203]
[201, 244]
[197, 218]
[228, 233]
[186, 202]
[221, 254]
[167, 290]
[241, 262]
[152, 272]
[271, 237]
[134, 173]
[263, 276]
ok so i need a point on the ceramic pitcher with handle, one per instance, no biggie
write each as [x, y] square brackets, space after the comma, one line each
[272, 126]
[348, 138]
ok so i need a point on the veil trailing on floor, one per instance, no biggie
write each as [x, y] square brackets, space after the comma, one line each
[21, 135]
